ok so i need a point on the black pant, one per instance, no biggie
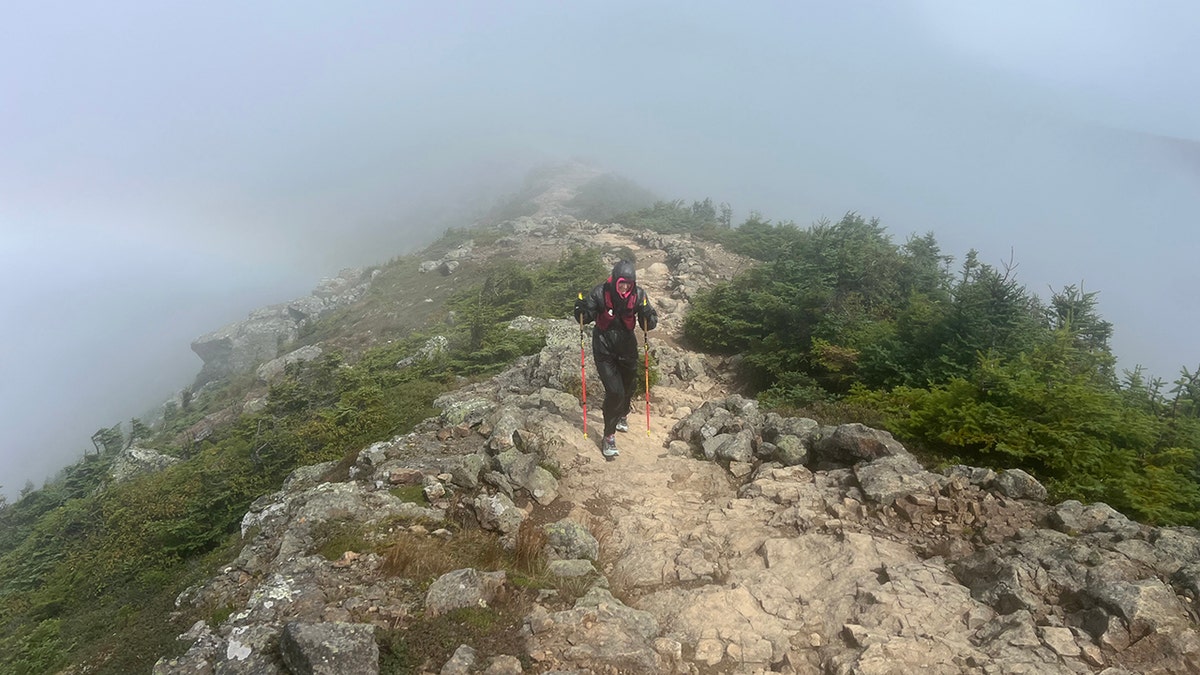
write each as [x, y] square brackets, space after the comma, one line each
[618, 383]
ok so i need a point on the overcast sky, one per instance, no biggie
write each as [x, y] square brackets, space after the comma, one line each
[165, 168]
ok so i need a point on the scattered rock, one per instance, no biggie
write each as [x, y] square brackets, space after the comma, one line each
[462, 588]
[1017, 484]
[433, 348]
[568, 540]
[462, 663]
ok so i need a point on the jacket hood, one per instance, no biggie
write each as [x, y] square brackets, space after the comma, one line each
[624, 269]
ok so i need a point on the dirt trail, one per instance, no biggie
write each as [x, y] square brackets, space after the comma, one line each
[645, 475]
[668, 522]
[675, 539]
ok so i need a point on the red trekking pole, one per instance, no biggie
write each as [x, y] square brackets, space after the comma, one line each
[646, 343]
[583, 372]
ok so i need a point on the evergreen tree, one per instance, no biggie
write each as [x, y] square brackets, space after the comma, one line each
[990, 313]
[137, 431]
[1075, 312]
[108, 441]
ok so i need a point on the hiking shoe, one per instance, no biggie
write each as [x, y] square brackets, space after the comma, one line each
[623, 424]
[610, 447]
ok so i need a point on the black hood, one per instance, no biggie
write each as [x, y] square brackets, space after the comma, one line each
[624, 269]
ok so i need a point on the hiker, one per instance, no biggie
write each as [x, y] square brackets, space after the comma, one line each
[617, 306]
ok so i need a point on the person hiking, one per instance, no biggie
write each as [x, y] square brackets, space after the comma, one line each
[617, 306]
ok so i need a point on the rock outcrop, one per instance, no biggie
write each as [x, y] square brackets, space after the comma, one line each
[135, 461]
[243, 345]
[273, 370]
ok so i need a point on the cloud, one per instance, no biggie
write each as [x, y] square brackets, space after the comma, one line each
[168, 168]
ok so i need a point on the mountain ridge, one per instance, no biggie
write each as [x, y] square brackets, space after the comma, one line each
[725, 539]
[485, 532]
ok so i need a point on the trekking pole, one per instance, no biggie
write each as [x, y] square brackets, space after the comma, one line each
[583, 371]
[646, 343]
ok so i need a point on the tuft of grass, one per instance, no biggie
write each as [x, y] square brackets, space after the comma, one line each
[426, 643]
[335, 537]
[219, 615]
[424, 558]
[529, 554]
[570, 589]
[409, 493]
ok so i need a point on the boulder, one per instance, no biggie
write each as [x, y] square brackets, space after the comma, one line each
[469, 411]
[461, 663]
[733, 447]
[888, 478]
[1016, 484]
[600, 634]
[136, 461]
[305, 477]
[790, 450]
[567, 540]
[433, 348]
[570, 568]
[523, 471]
[329, 648]
[1072, 517]
[852, 443]
[465, 472]
[273, 370]
[498, 513]
[240, 346]
[504, 423]
[462, 588]
[1146, 606]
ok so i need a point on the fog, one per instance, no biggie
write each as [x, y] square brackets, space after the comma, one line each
[166, 169]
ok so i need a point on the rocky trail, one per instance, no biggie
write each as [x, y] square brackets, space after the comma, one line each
[725, 540]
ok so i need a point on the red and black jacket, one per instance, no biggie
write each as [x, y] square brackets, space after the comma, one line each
[617, 318]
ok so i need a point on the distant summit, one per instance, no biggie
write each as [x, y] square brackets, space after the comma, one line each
[572, 189]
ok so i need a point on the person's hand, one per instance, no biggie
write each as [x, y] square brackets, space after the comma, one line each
[580, 309]
[647, 322]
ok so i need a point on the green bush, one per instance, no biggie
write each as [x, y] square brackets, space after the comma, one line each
[1068, 429]
[676, 217]
[40, 650]
[414, 494]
